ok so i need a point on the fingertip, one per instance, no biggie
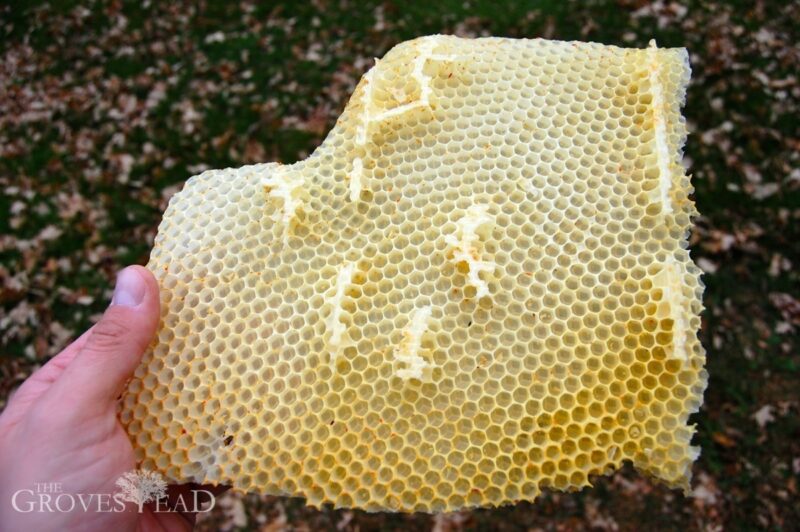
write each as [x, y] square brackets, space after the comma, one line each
[135, 285]
[118, 341]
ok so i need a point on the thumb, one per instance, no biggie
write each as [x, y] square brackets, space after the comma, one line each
[115, 346]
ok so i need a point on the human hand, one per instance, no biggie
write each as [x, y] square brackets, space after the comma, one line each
[61, 425]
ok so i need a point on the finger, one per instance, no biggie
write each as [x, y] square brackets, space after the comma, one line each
[38, 383]
[112, 351]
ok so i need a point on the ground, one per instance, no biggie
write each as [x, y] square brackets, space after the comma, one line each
[106, 109]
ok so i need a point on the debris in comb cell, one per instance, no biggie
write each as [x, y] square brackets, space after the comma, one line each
[335, 329]
[466, 246]
[408, 353]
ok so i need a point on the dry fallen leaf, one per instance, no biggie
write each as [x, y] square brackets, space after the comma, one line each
[764, 416]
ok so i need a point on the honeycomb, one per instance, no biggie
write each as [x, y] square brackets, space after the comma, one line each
[477, 288]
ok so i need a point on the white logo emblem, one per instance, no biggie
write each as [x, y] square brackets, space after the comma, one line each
[140, 487]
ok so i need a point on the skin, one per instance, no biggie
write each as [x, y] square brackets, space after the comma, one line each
[61, 424]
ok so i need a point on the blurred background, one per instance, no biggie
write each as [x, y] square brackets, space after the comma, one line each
[107, 107]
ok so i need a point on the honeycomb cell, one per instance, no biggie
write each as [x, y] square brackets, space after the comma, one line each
[476, 288]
